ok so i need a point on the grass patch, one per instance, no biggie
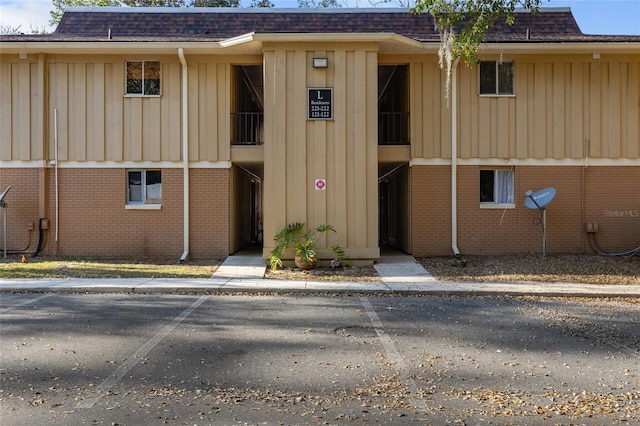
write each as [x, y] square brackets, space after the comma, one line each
[49, 267]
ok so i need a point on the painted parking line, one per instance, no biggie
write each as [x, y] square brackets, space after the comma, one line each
[141, 353]
[26, 302]
[394, 356]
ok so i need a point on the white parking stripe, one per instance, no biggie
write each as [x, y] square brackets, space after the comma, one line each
[26, 302]
[140, 354]
[393, 355]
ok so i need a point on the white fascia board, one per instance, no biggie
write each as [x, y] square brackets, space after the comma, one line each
[558, 47]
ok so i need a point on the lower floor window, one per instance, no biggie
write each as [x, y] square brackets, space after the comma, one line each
[144, 187]
[497, 186]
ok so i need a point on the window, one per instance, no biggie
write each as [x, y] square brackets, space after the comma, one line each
[497, 187]
[496, 78]
[144, 187]
[143, 78]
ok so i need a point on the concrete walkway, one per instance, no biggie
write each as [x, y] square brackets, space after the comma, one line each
[401, 274]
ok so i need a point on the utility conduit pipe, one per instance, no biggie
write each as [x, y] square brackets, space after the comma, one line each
[185, 153]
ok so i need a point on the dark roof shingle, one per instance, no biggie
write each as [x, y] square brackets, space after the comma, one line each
[215, 24]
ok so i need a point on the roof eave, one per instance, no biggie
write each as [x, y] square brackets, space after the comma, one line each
[565, 47]
[252, 43]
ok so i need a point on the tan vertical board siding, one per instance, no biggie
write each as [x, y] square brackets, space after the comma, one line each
[614, 107]
[524, 93]
[38, 100]
[170, 104]
[18, 121]
[420, 89]
[77, 142]
[97, 122]
[318, 139]
[210, 96]
[343, 151]
[430, 118]
[210, 108]
[337, 202]
[113, 111]
[292, 64]
[633, 102]
[274, 174]
[467, 88]
[96, 111]
[561, 105]
[6, 78]
[372, 243]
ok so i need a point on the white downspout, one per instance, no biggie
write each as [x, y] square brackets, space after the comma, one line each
[55, 159]
[185, 152]
[454, 158]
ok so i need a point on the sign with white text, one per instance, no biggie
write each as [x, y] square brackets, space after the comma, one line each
[320, 100]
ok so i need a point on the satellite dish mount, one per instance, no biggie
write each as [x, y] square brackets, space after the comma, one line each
[539, 200]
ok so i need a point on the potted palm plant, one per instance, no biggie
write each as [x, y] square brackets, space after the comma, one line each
[303, 242]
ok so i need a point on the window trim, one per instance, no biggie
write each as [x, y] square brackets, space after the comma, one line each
[494, 204]
[497, 94]
[126, 79]
[143, 204]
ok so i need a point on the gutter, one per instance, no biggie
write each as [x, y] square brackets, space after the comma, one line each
[185, 153]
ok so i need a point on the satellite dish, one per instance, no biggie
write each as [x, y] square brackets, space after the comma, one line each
[4, 193]
[539, 199]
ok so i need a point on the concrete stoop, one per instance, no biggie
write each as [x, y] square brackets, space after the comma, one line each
[396, 268]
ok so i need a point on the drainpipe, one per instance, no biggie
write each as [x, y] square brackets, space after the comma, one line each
[185, 152]
[454, 158]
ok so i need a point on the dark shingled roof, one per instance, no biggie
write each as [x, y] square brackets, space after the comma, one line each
[215, 24]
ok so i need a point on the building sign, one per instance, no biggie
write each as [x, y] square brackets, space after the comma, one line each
[320, 100]
[321, 184]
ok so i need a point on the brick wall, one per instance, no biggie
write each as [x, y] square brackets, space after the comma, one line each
[430, 210]
[22, 208]
[209, 224]
[609, 196]
[93, 220]
[612, 200]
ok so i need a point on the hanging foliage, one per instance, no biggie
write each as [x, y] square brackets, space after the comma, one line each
[463, 25]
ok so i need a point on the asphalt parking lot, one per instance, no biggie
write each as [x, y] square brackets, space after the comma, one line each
[123, 359]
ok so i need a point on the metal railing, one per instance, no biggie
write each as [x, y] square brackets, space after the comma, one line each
[247, 128]
[393, 128]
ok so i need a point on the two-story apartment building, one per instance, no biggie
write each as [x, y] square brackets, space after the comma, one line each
[197, 132]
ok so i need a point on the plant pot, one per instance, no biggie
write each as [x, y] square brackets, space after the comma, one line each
[301, 265]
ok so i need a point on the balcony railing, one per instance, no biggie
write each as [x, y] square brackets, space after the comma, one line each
[247, 128]
[393, 128]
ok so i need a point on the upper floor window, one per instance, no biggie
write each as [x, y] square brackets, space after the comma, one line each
[496, 78]
[144, 187]
[143, 78]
